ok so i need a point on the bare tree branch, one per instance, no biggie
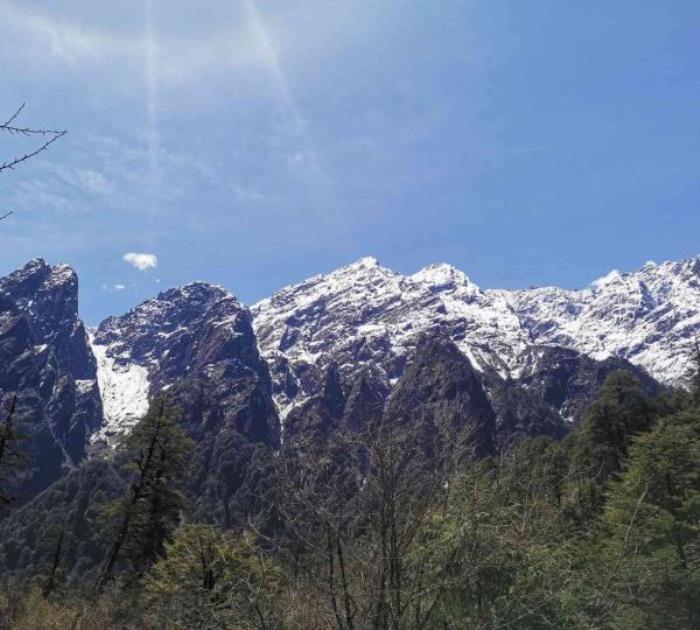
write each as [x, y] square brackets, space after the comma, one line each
[14, 116]
[9, 128]
[11, 164]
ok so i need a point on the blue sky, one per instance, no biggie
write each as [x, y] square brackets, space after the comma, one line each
[254, 144]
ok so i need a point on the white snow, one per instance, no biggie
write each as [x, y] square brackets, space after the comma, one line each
[607, 279]
[84, 385]
[365, 304]
[124, 391]
[650, 317]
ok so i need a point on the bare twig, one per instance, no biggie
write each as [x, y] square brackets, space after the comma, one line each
[14, 116]
[9, 127]
[11, 164]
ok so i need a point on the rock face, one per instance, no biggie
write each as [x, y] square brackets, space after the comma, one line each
[197, 343]
[45, 360]
[199, 332]
[338, 350]
[442, 394]
[541, 353]
[552, 391]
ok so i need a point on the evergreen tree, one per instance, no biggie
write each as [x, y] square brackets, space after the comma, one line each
[11, 458]
[209, 579]
[599, 448]
[148, 514]
[695, 378]
[652, 522]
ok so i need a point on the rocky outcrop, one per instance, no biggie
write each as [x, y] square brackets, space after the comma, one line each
[45, 361]
[197, 344]
[340, 351]
[198, 335]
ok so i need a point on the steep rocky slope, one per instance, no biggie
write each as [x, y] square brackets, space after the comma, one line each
[45, 360]
[650, 317]
[197, 343]
[198, 331]
[366, 315]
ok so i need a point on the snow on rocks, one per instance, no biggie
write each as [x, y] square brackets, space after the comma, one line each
[124, 392]
[367, 314]
[650, 317]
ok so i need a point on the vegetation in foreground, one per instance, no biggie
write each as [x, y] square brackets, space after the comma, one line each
[371, 530]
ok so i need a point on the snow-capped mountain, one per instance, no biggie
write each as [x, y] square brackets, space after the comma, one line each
[650, 317]
[337, 348]
[199, 329]
[367, 314]
[358, 317]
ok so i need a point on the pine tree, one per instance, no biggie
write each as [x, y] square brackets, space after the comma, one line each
[653, 528]
[211, 579]
[11, 458]
[149, 513]
[599, 449]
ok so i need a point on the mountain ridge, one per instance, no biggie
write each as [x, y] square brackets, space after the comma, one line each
[365, 312]
[366, 315]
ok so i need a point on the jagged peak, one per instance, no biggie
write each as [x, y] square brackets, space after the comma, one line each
[366, 266]
[35, 263]
[366, 262]
[608, 279]
[205, 290]
[202, 295]
[443, 276]
[37, 277]
[365, 270]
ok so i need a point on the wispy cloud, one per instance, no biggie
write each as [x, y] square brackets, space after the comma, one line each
[114, 288]
[63, 40]
[141, 261]
[44, 36]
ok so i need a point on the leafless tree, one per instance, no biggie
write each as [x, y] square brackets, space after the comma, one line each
[45, 138]
[355, 516]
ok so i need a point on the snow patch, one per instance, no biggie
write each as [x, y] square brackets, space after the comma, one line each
[124, 391]
[607, 279]
[84, 386]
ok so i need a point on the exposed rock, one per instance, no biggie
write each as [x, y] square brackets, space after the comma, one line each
[46, 361]
[197, 343]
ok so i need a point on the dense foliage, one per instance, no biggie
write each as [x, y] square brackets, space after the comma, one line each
[599, 530]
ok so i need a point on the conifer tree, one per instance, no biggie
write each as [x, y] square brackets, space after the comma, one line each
[695, 378]
[600, 447]
[11, 458]
[212, 579]
[653, 528]
[149, 513]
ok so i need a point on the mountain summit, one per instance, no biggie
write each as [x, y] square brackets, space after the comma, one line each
[539, 355]
[367, 314]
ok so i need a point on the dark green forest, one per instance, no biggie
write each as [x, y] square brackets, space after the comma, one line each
[374, 527]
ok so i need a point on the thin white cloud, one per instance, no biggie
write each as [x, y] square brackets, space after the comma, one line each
[65, 41]
[141, 261]
[115, 288]
[67, 37]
